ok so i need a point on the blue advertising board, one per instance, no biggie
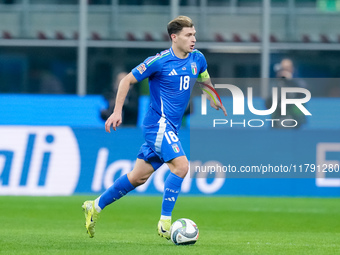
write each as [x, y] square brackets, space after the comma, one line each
[57, 145]
[59, 160]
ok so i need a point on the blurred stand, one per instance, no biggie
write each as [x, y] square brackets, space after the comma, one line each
[286, 77]
[50, 84]
[130, 108]
[43, 81]
[8, 2]
[334, 91]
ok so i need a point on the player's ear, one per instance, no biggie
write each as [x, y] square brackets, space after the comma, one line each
[173, 37]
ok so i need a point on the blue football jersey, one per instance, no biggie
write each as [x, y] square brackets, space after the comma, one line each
[171, 80]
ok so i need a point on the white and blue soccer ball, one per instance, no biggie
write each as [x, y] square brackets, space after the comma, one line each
[184, 231]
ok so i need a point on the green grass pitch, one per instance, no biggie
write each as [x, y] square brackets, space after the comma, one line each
[228, 225]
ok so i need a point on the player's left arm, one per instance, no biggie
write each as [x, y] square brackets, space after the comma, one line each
[208, 89]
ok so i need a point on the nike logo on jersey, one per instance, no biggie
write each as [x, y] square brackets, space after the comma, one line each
[173, 72]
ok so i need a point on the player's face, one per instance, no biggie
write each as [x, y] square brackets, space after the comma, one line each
[186, 39]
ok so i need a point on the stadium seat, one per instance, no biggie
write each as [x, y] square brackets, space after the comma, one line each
[130, 36]
[254, 38]
[148, 37]
[219, 37]
[237, 38]
[273, 38]
[41, 35]
[165, 37]
[306, 38]
[6, 35]
[324, 38]
[95, 36]
[59, 35]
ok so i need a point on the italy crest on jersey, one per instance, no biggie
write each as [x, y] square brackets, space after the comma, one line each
[175, 148]
[193, 68]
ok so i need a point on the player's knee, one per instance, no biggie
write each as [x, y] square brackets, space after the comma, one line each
[137, 180]
[182, 169]
[141, 181]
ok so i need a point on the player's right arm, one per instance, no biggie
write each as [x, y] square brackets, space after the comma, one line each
[115, 118]
[144, 70]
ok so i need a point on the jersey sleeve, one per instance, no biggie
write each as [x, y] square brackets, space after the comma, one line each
[204, 64]
[147, 68]
[203, 73]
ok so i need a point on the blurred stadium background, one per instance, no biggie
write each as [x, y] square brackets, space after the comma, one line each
[59, 61]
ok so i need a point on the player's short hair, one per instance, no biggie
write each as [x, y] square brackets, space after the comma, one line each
[176, 25]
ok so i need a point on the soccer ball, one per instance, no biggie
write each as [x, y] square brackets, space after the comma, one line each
[183, 232]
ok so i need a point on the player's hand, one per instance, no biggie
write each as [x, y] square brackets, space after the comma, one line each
[114, 120]
[218, 106]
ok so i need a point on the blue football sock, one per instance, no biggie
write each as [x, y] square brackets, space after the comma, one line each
[120, 188]
[172, 187]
